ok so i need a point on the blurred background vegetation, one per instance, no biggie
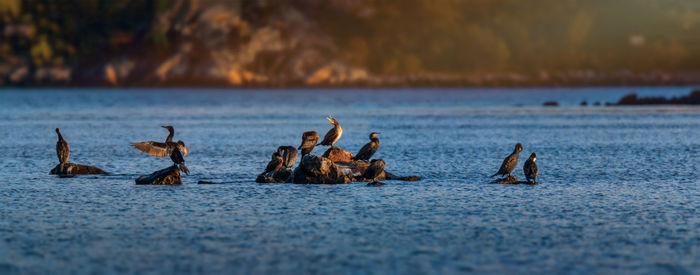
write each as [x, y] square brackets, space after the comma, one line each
[339, 42]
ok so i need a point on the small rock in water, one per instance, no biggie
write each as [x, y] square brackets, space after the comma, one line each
[550, 103]
[584, 103]
[167, 176]
[76, 169]
[375, 183]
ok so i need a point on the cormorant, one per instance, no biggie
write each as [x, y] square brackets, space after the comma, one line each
[509, 162]
[369, 149]
[62, 150]
[162, 149]
[289, 155]
[530, 168]
[375, 168]
[308, 142]
[333, 134]
[274, 164]
[177, 158]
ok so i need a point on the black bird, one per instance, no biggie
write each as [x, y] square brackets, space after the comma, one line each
[369, 149]
[375, 168]
[509, 162]
[530, 168]
[62, 150]
[177, 158]
[274, 164]
[333, 134]
[162, 149]
[289, 155]
[308, 142]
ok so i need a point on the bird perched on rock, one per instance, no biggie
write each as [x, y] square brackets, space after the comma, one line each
[333, 134]
[289, 155]
[274, 164]
[530, 168]
[308, 142]
[509, 162]
[369, 149]
[162, 149]
[176, 157]
[374, 170]
[62, 150]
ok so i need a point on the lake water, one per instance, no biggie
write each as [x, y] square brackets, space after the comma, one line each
[619, 186]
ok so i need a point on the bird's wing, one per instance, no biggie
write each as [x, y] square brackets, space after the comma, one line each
[156, 149]
[330, 136]
[183, 148]
[364, 151]
[273, 164]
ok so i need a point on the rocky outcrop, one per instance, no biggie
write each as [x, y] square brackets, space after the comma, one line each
[318, 170]
[337, 154]
[76, 169]
[278, 176]
[631, 99]
[167, 176]
[511, 180]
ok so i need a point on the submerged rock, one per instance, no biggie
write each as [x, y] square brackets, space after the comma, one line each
[511, 180]
[337, 154]
[318, 170]
[279, 176]
[550, 103]
[167, 176]
[375, 183]
[76, 169]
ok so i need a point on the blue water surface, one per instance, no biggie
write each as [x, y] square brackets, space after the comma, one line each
[619, 186]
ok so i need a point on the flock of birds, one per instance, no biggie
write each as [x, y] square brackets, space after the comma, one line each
[286, 156]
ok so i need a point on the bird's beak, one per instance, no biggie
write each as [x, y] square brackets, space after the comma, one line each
[163, 126]
[330, 119]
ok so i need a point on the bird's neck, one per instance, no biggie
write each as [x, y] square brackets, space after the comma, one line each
[374, 139]
[60, 137]
[170, 137]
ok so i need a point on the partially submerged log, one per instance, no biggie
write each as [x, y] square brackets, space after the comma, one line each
[511, 180]
[631, 99]
[167, 176]
[76, 169]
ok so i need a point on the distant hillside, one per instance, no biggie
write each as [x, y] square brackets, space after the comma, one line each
[348, 42]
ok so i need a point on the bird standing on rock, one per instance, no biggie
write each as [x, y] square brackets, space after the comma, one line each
[62, 150]
[509, 162]
[374, 170]
[274, 164]
[162, 149]
[177, 158]
[530, 168]
[308, 142]
[333, 134]
[289, 155]
[369, 149]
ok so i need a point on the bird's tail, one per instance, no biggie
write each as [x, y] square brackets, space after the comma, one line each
[493, 175]
[184, 168]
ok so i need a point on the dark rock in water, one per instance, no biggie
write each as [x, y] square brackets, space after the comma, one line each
[631, 99]
[511, 180]
[167, 176]
[208, 182]
[318, 170]
[375, 183]
[375, 170]
[76, 169]
[550, 103]
[337, 154]
[584, 103]
[597, 103]
[391, 176]
[278, 176]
